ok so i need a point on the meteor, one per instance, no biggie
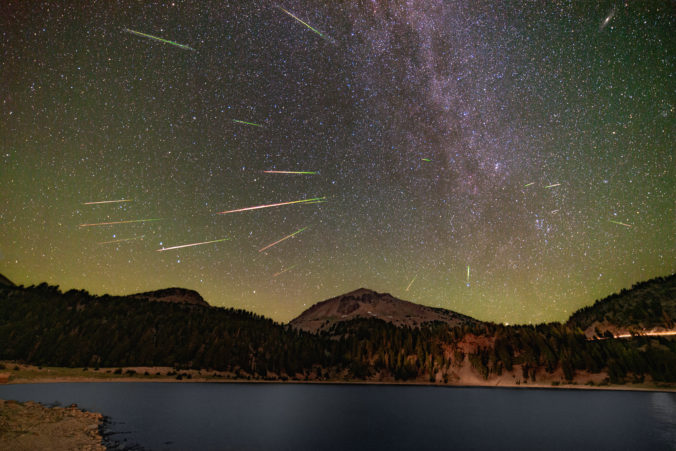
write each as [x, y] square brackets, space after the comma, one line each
[291, 172]
[426, 159]
[467, 275]
[123, 239]
[246, 123]
[552, 186]
[143, 35]
[304, 23]
[409, 285]
[285, 238]
[107, 202]
[191, 244]
[258, 207]
[619, 223]
[283, 271]
[529, 184]
[119, 222]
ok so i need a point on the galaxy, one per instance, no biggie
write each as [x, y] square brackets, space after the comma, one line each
[511, 161]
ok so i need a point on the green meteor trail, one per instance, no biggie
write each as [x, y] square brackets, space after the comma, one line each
[529, 184]
[143, 35]
[426, 159]
[304, 23]
[552, 186]
[247, 123]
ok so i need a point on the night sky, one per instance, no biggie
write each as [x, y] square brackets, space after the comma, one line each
[529, 141]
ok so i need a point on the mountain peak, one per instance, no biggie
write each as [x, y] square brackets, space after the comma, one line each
[366, 303]
[173, 295]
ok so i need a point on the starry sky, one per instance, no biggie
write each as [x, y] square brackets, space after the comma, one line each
[531, 142]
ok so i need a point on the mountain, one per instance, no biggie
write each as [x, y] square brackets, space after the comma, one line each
[365, 303]
[173, 295]
[5, 281]
[647, 307]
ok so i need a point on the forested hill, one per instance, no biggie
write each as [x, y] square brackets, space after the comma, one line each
[41, 325]
[647, 306]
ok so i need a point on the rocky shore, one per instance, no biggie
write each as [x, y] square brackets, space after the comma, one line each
[31, 426]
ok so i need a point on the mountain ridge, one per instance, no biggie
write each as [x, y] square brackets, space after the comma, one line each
[366, 303]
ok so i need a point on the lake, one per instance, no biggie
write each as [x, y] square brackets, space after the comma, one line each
[359, 417]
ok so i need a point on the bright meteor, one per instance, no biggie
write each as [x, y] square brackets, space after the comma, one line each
[190, 245]
[552, 186]
[409, 285]
[528, 184]
[304, 23]
[122, 239]
[119, 222]
[283, 271]
[285, 238]
[258, 207]
[291, 172]
[619, 223]
[246, 123]
[143, 35]
[107, 202]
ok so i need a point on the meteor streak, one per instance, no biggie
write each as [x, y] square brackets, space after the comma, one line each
[467, 275]
[529, 184]
[283, 271]
[123, 239]
[426, 159]
[191, 244]
[285, 238]
[552, 186]
[143, 35]
[258, 207]
[119, 222]
[619, 223]
[291, 172]
[409, 285]
[246, 123]
[304, 23]
[107, 202]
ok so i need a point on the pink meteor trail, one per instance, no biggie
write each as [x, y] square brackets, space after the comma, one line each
[118, 222]
[190, 245]
[619, 223]
[258, 207]
[107, 202]
[285, 238]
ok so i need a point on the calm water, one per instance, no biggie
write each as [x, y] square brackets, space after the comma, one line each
[334, 417]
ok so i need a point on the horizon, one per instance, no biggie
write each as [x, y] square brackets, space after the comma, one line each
[513, 162]
[505, 323]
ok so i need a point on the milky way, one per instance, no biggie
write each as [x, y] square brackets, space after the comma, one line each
[529, 142]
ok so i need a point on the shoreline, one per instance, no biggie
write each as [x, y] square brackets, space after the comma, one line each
[13, 373]
[166, 380]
